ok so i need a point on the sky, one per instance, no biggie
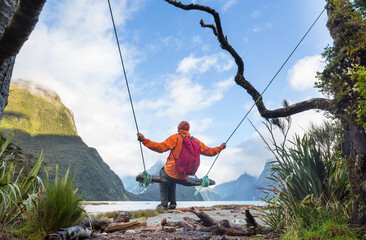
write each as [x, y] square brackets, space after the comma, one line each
[176, 71]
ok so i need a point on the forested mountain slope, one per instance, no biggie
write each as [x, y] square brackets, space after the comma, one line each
[41, 122]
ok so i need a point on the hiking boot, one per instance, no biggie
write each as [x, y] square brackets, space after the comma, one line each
[162, 207]
[172, 206]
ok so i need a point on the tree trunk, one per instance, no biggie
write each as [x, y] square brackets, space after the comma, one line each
[123, 227]
[355, 149]
[6, 71]
[17, 20]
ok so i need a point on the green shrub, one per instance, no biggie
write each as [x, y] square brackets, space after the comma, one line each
[309, 197]
[16, 195]
[58, 207]
[319, 222]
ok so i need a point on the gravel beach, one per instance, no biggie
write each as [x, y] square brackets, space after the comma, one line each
[233, 215]
[155, 230]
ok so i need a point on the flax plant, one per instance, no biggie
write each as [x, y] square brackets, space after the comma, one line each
[308, 173]
[16, 194]
[58, 207]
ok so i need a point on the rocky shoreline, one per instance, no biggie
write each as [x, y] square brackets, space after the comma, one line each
[190, 224]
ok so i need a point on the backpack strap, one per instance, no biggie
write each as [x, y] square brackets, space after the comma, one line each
[192, 138]
[171, 151]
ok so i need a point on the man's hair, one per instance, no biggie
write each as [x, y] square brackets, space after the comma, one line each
[184, 125]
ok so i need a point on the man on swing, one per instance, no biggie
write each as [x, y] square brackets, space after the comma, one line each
[170, 171]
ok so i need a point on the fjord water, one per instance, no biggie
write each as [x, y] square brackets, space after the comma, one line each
[94, 207]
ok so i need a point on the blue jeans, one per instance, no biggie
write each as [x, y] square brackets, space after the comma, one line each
[167, 190]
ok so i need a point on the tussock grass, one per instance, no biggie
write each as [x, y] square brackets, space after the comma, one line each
[134, 214]
[58, 207]
[310, 194]
[230, 206]
[94, 203]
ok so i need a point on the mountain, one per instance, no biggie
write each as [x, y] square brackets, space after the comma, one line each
[40, 122]
[263, 180]
[241, 189]
[151, 193]
[246, 187]
[209, 195]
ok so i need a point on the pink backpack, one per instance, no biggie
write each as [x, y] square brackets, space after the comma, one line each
[189, 158]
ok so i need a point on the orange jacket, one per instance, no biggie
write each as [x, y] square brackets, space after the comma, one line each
[174, 143]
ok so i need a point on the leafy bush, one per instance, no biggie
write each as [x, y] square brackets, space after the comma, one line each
[360, 87]
[16, 195]
[58, 207]
[310, 188]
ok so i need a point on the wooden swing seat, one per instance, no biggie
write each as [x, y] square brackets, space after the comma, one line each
[160, 179]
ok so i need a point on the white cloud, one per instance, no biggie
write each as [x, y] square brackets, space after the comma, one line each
[73, 51]
[302, 75]
[256, 29]
[256, 14]
[228, 4]
[191, 64]
[183, 96]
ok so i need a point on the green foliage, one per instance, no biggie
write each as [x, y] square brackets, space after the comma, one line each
[311, 182]
[16, 195]
[58, 207]
[360, 77]
[320, 222]
[361, 6]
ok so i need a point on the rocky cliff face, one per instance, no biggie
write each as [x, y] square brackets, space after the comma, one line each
[40, 122]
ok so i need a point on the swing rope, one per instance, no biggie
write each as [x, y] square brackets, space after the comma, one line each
[205, 181]
[147, 177]
[204, 184]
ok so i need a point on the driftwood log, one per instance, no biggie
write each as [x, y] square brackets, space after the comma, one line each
[95, 224]
[123, 227]
[75, 232]
[188, 182]
[251, 222]
[208, 224]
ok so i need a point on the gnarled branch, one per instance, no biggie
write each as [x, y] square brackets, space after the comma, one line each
[314, 103]
[209, 26]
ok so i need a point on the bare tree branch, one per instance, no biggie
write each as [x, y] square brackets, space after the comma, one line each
[209, 26]
[19, 28]
[313, 103]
